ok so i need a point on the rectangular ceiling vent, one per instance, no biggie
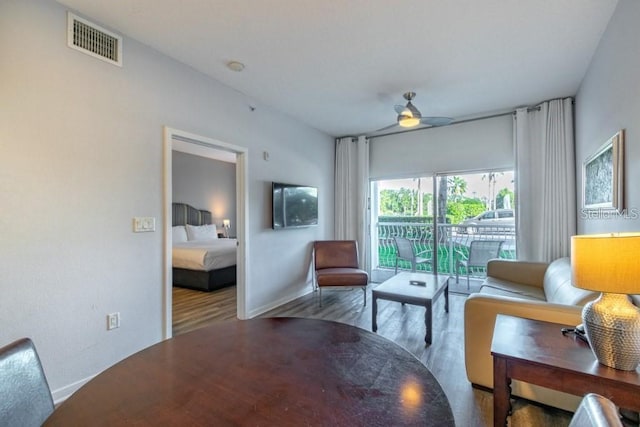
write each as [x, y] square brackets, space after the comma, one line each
[93, 40]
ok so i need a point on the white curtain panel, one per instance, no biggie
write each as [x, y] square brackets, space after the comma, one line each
[545, 180]
[345, 189]
[363, 202]
[352, 192]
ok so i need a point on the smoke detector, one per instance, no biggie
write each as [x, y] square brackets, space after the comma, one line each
[235, 66]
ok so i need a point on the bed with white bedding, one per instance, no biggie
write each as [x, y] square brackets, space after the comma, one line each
[201, 260]
[205, 255]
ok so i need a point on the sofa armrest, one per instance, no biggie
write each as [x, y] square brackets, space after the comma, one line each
[480, 313]
[527, 273]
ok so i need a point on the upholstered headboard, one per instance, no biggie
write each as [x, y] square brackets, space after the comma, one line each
[183, 214]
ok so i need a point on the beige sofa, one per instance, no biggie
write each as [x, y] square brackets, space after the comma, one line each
[526, 289]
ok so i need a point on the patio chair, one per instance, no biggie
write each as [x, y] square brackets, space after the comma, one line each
[480, 252]
[405, 251]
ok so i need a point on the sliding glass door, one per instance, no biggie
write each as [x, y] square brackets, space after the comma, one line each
[475, 210]
[441, 215]
[400, 208]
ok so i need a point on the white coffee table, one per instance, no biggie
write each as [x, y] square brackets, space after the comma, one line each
[399, 289]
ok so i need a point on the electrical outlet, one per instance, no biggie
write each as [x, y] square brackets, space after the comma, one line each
[113, 321]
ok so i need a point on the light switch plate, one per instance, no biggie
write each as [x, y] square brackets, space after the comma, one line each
[113, 321]
[142, 224]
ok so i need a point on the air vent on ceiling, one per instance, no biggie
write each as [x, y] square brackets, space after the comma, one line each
[93, 40]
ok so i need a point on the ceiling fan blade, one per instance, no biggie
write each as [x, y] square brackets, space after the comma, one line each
[399, 108]
[386, 127]
[436, 121]
[414, 111]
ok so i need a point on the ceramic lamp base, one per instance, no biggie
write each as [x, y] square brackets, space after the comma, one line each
[612, 325]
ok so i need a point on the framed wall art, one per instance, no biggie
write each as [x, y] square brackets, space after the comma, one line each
[603, 176]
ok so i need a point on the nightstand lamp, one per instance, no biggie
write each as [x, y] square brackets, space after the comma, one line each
[227, 225]
[610, 263]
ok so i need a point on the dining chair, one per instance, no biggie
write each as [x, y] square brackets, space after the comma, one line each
[405, 251]
[480, 252]
[25, 398]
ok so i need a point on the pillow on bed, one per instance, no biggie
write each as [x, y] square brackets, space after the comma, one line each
[202, 232]
[179, 234]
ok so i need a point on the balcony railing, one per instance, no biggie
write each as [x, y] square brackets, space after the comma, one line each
[453, 243]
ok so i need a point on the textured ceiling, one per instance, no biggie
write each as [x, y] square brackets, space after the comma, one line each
[341, 65]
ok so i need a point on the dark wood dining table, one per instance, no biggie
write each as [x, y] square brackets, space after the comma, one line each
[263, 372]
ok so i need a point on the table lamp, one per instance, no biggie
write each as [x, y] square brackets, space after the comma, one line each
[227, 225]
[610, 263]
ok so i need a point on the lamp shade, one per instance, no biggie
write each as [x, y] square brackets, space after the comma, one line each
[226, 223]
[606, 262]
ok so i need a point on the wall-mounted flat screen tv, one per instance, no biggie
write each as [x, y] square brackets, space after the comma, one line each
[294, 206]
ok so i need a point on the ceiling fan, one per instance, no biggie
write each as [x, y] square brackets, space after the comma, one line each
[409, 116]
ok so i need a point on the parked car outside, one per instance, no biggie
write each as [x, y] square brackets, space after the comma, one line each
[495, 218]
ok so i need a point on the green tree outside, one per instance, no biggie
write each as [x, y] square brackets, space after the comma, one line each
[456, 187]
[456, 206]
[501, 196]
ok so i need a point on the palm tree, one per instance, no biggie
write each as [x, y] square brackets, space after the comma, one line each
[492, 178]
[457, 187]
[419, 210]
[442, 200]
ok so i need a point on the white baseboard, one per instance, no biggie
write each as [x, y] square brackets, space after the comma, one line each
[63, 393]
[260, 310]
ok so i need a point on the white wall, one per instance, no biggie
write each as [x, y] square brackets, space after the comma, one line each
[81, 154]
[482, 144]
[205, 184]
[609, 100]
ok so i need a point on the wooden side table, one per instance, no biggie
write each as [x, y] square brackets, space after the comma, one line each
[536, 352]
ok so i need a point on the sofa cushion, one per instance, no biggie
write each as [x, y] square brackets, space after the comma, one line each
[558, 288]
[493, 286]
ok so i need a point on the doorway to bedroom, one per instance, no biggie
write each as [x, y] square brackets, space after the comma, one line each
[204, 198]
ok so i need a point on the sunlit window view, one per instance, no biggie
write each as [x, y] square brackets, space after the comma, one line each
[443, 223]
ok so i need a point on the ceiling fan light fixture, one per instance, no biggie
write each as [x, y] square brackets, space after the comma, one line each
[407, 121]
[409, 116]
